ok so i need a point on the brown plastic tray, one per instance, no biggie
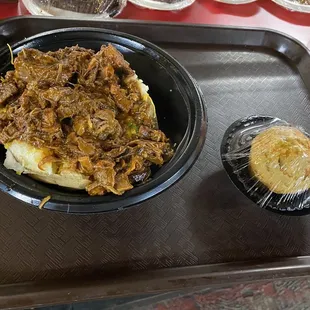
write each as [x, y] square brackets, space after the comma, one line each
[200, 232]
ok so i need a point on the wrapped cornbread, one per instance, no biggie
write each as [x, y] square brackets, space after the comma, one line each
[280, 159]
[268, 159]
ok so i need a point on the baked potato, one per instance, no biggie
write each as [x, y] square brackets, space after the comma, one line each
[80, 120]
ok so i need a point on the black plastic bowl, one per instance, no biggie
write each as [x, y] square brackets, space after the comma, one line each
[180, 110]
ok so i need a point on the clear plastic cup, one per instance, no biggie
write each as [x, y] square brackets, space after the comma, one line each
[165, 5]
[75, 8]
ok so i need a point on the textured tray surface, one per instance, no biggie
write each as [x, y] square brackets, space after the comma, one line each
[202, 219]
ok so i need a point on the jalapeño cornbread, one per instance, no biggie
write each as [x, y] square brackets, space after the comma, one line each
[280, 159]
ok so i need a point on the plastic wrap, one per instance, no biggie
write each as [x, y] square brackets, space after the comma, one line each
[75, 8]
[268, 159]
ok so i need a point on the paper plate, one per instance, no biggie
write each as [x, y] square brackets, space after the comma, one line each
[236, 1]
[163, 6]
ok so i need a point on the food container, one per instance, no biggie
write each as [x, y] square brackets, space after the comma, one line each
[236, 1]
[180, 111]
[75, 8]
[236, 152]
[164, 5]
[294, 5]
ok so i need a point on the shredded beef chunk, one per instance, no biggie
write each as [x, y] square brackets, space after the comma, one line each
[87, 109]
[7, 90]
[34, 66]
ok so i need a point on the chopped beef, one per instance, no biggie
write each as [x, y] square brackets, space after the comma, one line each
[87, 109]
[7, 90]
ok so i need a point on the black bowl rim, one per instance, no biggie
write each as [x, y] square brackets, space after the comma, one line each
[183, 163]
[234, 179]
